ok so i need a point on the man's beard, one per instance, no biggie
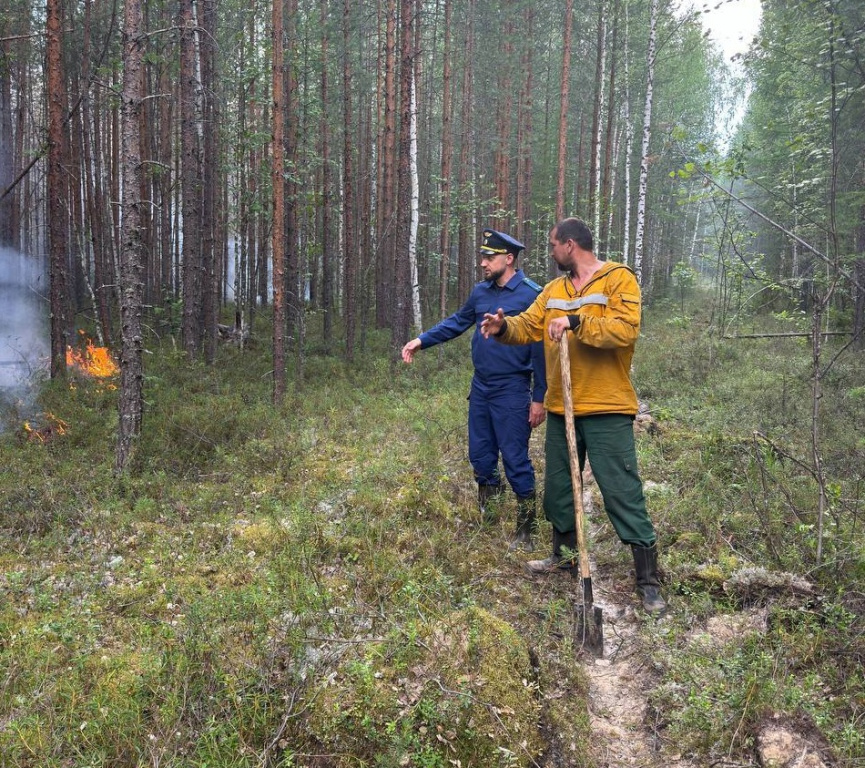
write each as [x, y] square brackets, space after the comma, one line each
[494, 276]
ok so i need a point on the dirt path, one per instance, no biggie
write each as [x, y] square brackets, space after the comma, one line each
[619, 686]
[620, 683]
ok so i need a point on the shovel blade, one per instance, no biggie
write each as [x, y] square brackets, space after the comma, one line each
[590, 629]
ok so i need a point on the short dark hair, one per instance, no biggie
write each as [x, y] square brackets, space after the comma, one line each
[577, 230]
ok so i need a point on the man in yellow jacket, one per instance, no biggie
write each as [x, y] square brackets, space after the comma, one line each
[599, 303]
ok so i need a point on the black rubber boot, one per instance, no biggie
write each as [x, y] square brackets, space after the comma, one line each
[488, 498]
[558, 562]
[648, 585]
[526, 513]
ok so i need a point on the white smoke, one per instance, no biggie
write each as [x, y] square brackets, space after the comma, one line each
[24, 332]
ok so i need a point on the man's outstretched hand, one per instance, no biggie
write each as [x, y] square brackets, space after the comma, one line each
[409, 349]
[492, 325]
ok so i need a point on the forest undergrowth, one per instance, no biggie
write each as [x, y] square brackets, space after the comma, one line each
[312, 585]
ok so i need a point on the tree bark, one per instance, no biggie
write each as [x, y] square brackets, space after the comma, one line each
[293, 290]
[414, 215]
[402, 308]
[131, 398]
[563, 110]
[467, 263]
[386, 251]
[9, 202]
[605, 204]
[595, 161]
[446, 162]
[350, 253]
[328, 299]
[191, 181]
[58, 216]
[647, 135]
[524, 131]
[277, 149]
[210, 181]
[629, 144]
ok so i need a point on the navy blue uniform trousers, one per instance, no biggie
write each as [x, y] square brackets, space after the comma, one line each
[499, 423]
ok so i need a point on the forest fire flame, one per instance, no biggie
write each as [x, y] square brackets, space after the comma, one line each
[93, 361]
[52, 426]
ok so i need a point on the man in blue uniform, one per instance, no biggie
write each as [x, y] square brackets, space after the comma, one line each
[506, 400]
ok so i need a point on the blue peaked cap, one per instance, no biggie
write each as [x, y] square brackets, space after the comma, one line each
[498, 242]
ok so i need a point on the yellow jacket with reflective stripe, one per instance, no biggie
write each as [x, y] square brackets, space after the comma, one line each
[601, 348]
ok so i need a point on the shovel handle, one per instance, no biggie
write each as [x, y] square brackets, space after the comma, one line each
[576, 475]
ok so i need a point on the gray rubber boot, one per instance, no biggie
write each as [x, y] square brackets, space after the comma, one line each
[558, 562]
[526, 516]
[648, 584]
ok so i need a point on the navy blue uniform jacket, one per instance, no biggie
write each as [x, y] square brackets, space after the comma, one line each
[497, 366]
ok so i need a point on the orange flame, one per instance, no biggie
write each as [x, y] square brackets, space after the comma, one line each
[94, 361]
[53, 426]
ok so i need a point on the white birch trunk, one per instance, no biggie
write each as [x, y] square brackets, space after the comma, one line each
[596, 182]
[617, 147]
[629, 149]
[415, 214]
[644, 154]
[693, 251]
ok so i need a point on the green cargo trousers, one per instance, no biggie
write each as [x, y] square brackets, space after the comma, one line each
[609, 441]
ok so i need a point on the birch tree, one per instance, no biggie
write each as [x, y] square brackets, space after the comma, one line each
[595, 163]
[417, 321]
[647, 135]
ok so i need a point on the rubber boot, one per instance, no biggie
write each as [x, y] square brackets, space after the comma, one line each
[488, 496]
[558, 562]
[526, 513]
[648, 585]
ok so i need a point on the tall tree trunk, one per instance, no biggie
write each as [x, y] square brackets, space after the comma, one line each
[502, 169]
[859, 284]
[191, 180]
[524, 130]
[131, 398]
[402, 309]
[414, 215]
[446, 162]
[8, 202]
[647, 135]
[58, 216]
[277, 149]
[328, 299]
[563, 110]
[386, 250]
[595, 161]
[467, 263]
[293, 291]
[351, 252]
[629, 147]
[605, 202]
[165, 177]
[210, 183]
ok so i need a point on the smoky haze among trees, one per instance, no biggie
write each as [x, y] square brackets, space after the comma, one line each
[403, 128]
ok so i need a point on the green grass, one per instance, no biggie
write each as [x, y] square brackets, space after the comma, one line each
[271, 583]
